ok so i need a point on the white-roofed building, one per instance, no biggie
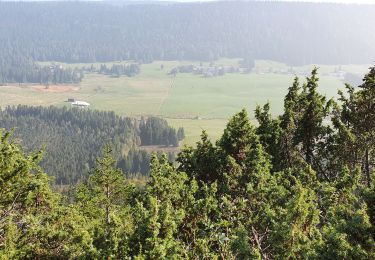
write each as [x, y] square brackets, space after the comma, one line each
[80, 103]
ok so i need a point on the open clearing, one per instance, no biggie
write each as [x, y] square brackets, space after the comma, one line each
[192, 101]
[193, 128]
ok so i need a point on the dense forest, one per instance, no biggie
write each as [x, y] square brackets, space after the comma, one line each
[22, 69]
[73, 138]
[299, 186]
[97, 32]
[156, 131]
[117, 70]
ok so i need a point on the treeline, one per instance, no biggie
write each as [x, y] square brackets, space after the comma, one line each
[73, 139]
[212, 70]
[299, 186]
[71, 31]
[22, 69]
[137, 162]
[156, 131]
[118, 70]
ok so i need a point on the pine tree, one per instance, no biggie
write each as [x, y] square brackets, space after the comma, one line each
[304, 122]
[289, 121]
[270, 132]
[160, 213]
[237, 136]
[201, 163]
[180, 134]
[357, 120]
[104, 200]
[33, 224]
[347, 230]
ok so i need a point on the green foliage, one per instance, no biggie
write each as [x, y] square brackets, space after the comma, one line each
[150, 31]
[32, 222]
[160, 212]
[104, 201]
[241, 198]
[16, 68]
[73, 138]
[269, 131]
[356, 124]
[348, 232]
[313, 110]
[155, 131]
[129, 70]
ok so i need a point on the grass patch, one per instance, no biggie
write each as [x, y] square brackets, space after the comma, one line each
[193, 128]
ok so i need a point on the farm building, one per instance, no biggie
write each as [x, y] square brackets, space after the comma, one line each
[80, 104]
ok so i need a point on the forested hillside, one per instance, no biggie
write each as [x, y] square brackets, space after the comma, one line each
[299, 186]
[129, 70]
[293, 33]
[19, 68]
[156, 131]
[73, 138]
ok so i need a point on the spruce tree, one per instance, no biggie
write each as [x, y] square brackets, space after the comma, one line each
[357, 121]
[33, 223]
[104, 200]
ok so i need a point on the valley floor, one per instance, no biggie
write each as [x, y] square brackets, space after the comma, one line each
[192, 101]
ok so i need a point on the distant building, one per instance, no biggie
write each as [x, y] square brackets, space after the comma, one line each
[80, 104]
[71, 100]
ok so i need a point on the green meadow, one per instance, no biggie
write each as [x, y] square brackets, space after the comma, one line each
[192, 101]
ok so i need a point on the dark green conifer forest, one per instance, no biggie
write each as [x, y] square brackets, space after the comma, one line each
[297, 186]
[142, 31]
[72, 139]
[18, 68]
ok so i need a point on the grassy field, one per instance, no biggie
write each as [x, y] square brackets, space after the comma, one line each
[182, 98]
[193, 128]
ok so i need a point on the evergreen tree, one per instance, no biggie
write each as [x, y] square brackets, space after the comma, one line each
[180, 134]
[33, 224]
[160, 213]
[104, 200]
[315, 109]
[289, 121]
[356, 123]
[270, 132]
[347, 230]
[240, 198]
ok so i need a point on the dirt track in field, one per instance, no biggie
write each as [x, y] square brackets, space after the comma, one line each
[55, 88]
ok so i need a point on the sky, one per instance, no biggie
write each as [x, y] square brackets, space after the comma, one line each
[312, 1]
[337, 1]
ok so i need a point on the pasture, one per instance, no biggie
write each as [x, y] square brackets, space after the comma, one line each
[192, 101]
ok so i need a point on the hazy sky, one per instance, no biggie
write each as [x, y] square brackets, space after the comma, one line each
[336, 1]
[313, 1]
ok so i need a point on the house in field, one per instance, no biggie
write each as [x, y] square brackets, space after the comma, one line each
[71, 100]
[81, 104]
